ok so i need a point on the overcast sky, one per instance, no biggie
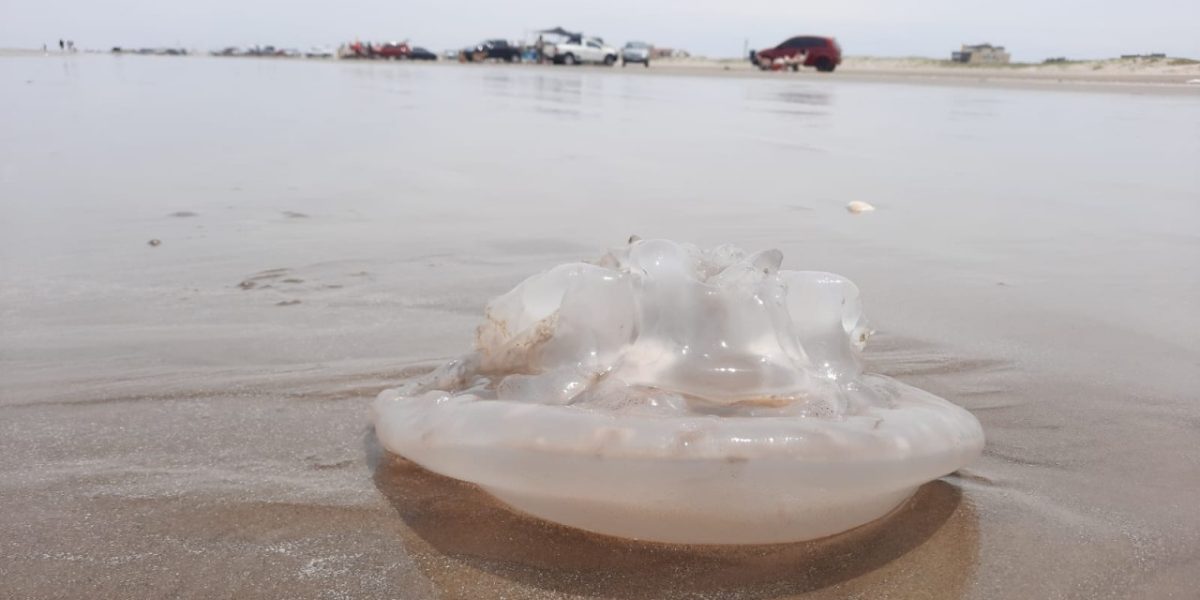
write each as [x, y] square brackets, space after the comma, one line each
[1031, 29]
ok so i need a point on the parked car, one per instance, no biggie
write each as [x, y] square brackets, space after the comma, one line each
[806, 50]
[393, 50]
[635, 52]
[497, 49]
[420, 53]
[581, 50]
[319, 52]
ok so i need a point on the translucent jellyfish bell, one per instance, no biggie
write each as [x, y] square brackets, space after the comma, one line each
[672, 394]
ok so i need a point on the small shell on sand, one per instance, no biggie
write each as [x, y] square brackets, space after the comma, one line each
[858, 206]
[155, 242]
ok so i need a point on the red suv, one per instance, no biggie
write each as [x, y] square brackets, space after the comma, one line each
[808, 50]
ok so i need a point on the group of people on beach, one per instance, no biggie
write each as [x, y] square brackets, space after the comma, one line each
[63, 46]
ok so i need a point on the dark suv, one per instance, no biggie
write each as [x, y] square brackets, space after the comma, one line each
[805, 50]
[497, 49]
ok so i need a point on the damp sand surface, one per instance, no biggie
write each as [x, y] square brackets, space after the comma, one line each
[190, 418]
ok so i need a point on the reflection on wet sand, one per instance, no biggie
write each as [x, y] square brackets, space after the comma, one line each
[801, 101]
[930, 543]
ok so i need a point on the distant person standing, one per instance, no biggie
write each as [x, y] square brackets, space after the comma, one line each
[61, 46]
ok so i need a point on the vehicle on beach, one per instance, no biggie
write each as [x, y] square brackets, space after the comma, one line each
[419, 53]
[393, 50]
[319, 52]
[578, 50]
[493, 49]
[386, 50]
[801, 51]
[636, 52]
[153, 51]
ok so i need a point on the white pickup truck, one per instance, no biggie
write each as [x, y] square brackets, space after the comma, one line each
[581, 50]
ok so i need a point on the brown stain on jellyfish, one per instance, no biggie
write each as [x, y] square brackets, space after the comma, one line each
[516, 354]
[928, 547]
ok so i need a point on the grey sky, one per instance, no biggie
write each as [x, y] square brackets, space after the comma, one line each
[1032, 29]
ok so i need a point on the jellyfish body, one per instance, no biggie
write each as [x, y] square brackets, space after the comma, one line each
[671, 394]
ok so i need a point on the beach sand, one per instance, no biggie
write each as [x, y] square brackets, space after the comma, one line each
[191, 419]
[1160, 75]
[1142, 75]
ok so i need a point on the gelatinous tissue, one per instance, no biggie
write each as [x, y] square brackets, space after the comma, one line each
[674, 394]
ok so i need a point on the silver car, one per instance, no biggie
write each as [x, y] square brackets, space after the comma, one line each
[635, 52]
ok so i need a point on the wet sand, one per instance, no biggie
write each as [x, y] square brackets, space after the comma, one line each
[1116, 76]
[190, 419]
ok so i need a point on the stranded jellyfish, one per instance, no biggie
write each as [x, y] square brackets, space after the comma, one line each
[674, 394]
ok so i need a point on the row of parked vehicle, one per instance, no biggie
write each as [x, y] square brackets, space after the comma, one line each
[385, 50]
[314, 52]
[822, 53]
[571, 51]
